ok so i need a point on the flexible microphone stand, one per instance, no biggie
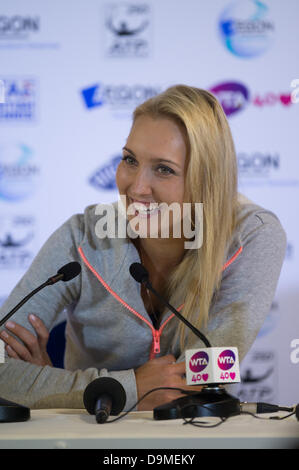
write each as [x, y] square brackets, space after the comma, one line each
[212, 399]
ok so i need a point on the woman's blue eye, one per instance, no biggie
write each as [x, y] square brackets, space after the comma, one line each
[165, 170]
[161, 169]
[128, 159]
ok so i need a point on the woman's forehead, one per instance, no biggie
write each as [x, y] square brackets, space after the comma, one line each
[157, 137]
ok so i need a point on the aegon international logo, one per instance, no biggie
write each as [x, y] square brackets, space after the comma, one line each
[18, 26]
[19, 102]
[18, 171]
[199, 361]
[104, 176]
[117, 97]
[246, 28]
[21, 31]
[258, 164]
[127, 30]
[226, 359]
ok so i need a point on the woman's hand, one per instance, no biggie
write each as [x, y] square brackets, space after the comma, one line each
[161, 372]
[34, 349]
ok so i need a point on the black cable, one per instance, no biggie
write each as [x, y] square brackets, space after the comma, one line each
[282, 417]
[200, 423]
[269, 417]
[254, 415]
[241, 413]
[185, 392]
[262, 407]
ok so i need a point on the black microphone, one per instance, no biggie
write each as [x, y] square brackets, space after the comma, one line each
[104, 396]
[211, 400]
[140, 274]
[66, 273]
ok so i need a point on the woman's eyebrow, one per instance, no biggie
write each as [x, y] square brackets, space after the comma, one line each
[130, 151]
[153, 159]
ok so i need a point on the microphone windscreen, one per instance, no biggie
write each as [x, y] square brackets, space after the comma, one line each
[108, 386]
[138, 272]
[70, 270]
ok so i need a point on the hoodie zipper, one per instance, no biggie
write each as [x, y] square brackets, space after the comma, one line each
[156, 333]
[156, 336]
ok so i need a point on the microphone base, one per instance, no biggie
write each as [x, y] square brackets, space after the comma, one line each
[210, 401]
[12, 412]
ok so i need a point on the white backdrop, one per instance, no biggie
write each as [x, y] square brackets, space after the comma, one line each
[73, 71]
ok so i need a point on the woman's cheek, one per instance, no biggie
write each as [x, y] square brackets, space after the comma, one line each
[120, 179]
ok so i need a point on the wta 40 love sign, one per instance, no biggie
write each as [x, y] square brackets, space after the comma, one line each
[212, 365]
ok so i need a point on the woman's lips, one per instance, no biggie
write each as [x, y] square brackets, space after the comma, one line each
[143, 209]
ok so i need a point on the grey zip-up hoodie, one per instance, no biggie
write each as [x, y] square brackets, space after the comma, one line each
[109, 332]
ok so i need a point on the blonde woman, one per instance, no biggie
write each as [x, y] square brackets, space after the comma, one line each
[179, 151]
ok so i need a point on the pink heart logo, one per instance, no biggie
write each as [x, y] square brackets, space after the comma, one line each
[285, 99]
[232, 375]
[205, 377]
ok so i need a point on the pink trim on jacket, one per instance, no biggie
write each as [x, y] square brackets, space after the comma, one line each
[232, 259]
[156, 333]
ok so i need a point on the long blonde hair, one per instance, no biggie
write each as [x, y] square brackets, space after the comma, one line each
[211, 178]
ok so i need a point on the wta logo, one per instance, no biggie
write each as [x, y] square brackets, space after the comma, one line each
[198, 361]
[226, 359]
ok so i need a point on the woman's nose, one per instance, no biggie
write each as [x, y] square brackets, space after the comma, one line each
[141, 183]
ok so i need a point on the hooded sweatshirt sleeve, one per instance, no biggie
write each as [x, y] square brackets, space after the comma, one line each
[248, 284]
[44, 386]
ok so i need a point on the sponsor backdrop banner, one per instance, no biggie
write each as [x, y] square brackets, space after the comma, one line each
[71, 74]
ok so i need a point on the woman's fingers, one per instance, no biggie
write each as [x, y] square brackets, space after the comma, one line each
[16, 348]
[161, 372]
[34, 347]
[11, 352]
[41, 330]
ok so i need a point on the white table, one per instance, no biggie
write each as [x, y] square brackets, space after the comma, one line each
[76, 429]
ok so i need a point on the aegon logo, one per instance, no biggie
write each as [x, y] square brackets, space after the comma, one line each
[246, 28]
[199, 361]
[18, 26]
[226, 359]
[118, 96]
[257, 163]
[104, 176]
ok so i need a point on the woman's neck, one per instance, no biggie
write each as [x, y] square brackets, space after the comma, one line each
[161, 255]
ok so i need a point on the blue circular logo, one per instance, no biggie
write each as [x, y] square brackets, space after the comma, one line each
[18, 173]
[245, 28]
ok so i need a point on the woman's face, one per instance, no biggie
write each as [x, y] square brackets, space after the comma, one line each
[152, 170]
